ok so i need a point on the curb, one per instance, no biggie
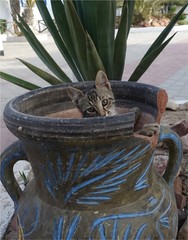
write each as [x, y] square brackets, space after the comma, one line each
[44, 36]
[41, 37]
[158, 29]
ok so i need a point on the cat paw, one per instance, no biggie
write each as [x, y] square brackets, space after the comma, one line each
[150, 129]
[137, 112]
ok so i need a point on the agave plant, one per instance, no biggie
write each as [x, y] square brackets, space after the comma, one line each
[84, 32]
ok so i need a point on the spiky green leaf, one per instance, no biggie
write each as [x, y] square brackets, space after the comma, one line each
[88, 14]
[147, 61]
[78, 36]
[121, 39]
[106, 12]
[55, 34]
[18, 81]
[40, 50]
[41, 73]
[166, 31]
[94, 62]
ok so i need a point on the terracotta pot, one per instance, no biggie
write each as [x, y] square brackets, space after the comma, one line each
[93, 177]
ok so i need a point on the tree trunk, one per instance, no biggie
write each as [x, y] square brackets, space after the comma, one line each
[15, 8]
[28, 15]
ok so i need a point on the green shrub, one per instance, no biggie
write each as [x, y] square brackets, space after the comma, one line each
[3, 25]
[182, 22]
[172, 9]
[182, 17]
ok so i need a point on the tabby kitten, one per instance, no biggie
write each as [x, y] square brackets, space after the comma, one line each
[98, 101]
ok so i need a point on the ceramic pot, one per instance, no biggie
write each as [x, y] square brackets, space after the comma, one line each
[93, 177]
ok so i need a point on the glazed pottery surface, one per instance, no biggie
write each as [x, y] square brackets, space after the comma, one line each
[93, 178]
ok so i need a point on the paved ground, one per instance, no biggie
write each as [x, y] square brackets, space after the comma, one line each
[169, 71]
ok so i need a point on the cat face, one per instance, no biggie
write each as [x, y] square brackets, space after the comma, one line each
[98, 101]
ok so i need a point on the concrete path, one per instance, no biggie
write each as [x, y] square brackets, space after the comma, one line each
[169, 71]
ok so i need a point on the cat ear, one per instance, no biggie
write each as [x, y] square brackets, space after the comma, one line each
[74, 93]
[102, 80]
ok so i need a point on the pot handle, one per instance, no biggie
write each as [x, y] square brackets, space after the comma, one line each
[174, 144]
[9, 157]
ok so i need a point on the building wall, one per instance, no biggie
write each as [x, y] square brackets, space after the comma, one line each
[5, 13]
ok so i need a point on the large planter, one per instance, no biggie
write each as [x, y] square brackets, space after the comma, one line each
[93, 177]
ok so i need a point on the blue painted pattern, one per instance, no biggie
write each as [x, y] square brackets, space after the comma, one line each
[142, 182]
[93, 182]
[143, 230]
[68, 231]
[33, 224]
[58, 228]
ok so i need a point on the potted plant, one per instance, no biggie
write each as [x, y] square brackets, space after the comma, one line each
[93, 177]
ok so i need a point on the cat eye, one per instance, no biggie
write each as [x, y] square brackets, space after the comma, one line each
[104, 102]
[91, 109]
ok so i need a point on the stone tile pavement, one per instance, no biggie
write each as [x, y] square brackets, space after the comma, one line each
[169, 71]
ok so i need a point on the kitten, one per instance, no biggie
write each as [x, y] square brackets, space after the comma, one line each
[98, 101]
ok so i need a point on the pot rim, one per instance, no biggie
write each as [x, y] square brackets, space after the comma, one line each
[22, 124]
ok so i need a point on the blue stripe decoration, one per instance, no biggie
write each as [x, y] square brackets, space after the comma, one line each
[60, 170]
[35, 221]
[93, 180]
[83, 159]
[73, 227]
[87, 202]
[49, 183]
[58, 228]
[127, 232]
[102, 232]
[130, 153]
[120, 216]
[162, 222]
[138, 235]
[114, 233]
[119, 165]
[142, 182]
[141, 152]
[125, 173]
[100, 162]
[108, 159]
[69, 167]
[91, 167]
[164, 219]
[106, 179]
[95, 198]
[152, 201]
[51, 172]
[106, 190]
[111, 184]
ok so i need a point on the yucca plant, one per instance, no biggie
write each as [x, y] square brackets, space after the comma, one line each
[84, 32]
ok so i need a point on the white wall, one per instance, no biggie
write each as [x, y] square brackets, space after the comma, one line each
[5, 13]
[37, 15]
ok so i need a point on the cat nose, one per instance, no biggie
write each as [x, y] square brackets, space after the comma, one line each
[103, 113]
